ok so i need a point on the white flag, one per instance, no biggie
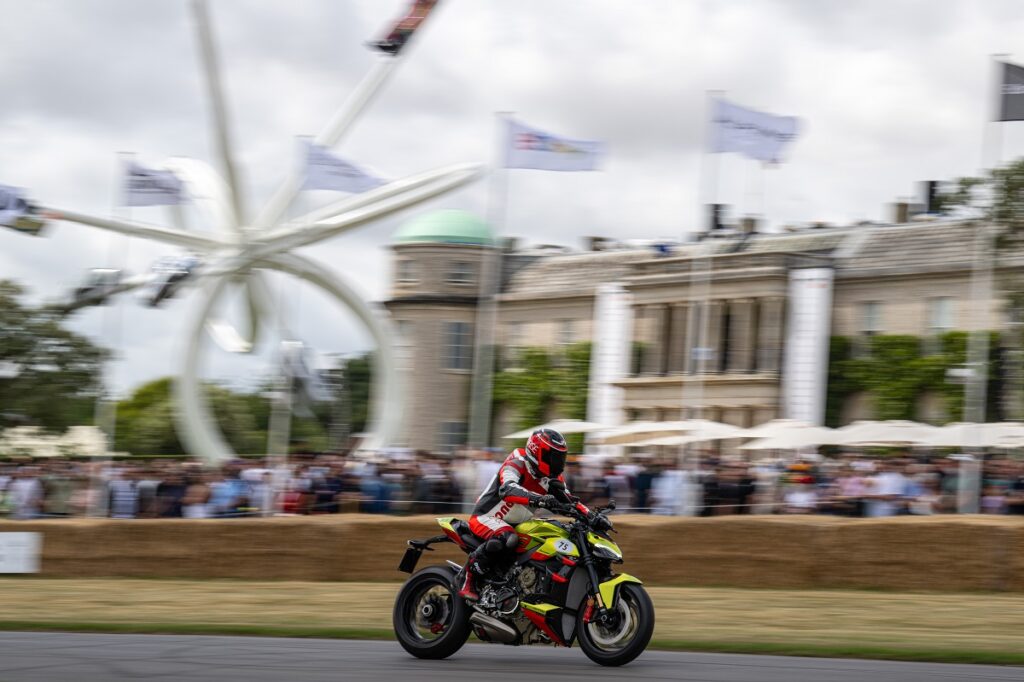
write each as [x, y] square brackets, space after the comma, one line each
[12, 205]
[754, 134]
[324, 170]
[151, 187]
[527, 147]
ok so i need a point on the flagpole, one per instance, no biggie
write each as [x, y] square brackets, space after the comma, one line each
[700, 265]
[976, 388]
[487, 304]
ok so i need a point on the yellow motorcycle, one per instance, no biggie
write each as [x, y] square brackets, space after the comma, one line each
[557, 588]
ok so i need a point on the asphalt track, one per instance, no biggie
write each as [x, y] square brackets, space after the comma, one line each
[53, 657]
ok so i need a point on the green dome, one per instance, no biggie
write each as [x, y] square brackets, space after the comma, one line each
[450, 226]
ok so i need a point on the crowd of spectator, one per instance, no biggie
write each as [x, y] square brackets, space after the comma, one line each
[408, 483]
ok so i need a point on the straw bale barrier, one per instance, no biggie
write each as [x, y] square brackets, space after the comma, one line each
[941, 553]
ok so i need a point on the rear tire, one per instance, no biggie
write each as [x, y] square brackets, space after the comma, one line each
[430, 619]
[637, 626]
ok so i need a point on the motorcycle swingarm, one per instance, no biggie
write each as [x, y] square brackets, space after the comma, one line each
[415, 551]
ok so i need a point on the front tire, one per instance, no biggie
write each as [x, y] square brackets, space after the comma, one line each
[429, 618]
[631, 635]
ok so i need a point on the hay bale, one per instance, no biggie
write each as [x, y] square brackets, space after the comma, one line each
[940, 553]
[943, 553]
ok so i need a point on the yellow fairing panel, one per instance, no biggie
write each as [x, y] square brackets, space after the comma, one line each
[609, 588]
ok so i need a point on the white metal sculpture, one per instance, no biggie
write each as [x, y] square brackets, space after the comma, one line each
[242, 250]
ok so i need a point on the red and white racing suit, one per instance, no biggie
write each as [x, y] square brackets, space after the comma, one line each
[506, 500]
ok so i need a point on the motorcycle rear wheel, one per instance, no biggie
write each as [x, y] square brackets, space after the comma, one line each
[429, 618]
[628, 638]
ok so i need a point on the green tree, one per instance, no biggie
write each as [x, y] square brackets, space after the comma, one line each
[53, 376]
[146, 426]
[545, 384]
[895, 371]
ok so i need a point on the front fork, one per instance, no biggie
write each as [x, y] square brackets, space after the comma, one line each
[603, 614]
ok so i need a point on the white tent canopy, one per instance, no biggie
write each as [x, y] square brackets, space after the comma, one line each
[637, 433]
[970, 434]
[563, 426]
[793, 439]
[892, 432]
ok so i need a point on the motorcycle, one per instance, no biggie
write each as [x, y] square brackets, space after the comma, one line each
[558, 587]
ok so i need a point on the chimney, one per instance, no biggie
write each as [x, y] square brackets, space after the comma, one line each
[930, 192]
[901, 212]
[715, 217]
[748, 225]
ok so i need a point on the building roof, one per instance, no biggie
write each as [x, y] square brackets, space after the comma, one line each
[856, 251]
[448, 226]
[576, 274]
[912, 249]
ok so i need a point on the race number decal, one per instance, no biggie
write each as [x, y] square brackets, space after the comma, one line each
[564, 547]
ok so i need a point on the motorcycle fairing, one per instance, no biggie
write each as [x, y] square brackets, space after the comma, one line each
[609, 589]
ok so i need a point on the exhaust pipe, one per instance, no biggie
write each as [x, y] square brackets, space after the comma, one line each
[495, 630]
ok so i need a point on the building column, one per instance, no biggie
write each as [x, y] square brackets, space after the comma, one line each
[651, 340]
[715, 336]
[741, 335]
[677, 339]
[772, 330]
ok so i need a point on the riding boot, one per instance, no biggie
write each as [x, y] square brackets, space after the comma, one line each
[475, 565]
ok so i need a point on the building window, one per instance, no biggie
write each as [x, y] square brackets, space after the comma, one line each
[404, 346]
[940, 321]
[870, 318]
[940, 314]
[451, 435]
[460, 272]
[566, 332]
[515, 338]
[406, 271]
[869, 324]
[458, 345]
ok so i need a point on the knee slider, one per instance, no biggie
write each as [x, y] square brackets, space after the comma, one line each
[494, 545]
[511, 541]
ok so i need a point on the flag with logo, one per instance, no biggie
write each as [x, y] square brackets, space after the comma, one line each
[755, 134]
[151, 187]
[1011, 93]
[403, 29]
[12, 205]
[324, 170]
[527, 147]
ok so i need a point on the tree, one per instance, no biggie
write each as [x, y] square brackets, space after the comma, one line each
[544, 383]
[146, 425]
[998, 198]
[52, 376]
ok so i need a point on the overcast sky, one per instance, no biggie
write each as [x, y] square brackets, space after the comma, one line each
[889, 93]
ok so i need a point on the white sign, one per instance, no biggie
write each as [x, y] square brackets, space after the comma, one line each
[805, 374]
[609, 359]
[19, 552]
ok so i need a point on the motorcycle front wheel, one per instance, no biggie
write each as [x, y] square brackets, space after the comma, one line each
[627, 637]
[430, 619]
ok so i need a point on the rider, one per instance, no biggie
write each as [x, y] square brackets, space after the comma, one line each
[530, 478]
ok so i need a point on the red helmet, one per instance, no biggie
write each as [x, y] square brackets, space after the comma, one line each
[545, 451]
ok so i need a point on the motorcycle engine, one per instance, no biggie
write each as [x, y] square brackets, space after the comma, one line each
[528, 579]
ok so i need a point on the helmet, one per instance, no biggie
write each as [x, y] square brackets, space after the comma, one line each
[545, 452]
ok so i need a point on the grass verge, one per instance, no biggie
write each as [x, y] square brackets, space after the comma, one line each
[956, 628]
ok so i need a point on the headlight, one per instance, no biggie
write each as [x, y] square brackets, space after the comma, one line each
[606, 553]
